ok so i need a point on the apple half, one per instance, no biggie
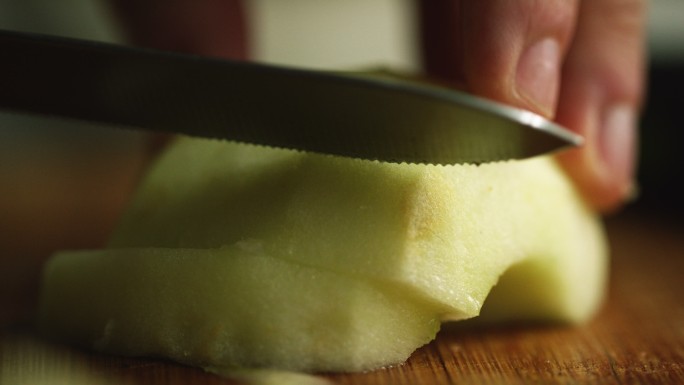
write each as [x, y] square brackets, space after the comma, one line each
[233, 255]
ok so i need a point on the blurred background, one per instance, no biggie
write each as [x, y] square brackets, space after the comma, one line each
[661, 169]
[62, 184]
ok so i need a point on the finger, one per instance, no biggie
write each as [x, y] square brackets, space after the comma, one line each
[602, 88]
[208, 27]
[509, 51]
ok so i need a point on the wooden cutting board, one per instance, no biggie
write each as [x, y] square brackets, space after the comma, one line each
[637, 338]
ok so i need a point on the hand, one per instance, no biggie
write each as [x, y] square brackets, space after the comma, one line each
[579, 62]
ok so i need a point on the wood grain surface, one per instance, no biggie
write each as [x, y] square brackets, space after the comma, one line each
[637, 338]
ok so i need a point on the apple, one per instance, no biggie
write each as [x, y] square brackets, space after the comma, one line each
[234, 255]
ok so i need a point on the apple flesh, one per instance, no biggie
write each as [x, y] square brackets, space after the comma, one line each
[230, 306]
[237, 255]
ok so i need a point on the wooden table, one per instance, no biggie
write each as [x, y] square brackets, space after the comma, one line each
[638, 337]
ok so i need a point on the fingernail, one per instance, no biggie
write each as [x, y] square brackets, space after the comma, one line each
[537, 76]
[617, 141]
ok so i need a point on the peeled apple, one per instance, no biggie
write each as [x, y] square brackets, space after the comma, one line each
[233, 255]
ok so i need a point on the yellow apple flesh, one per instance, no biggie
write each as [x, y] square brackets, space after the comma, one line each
[237, 255]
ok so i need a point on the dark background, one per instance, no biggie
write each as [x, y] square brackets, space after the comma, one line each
[660, 175]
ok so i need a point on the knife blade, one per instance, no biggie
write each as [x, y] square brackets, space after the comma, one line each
[378, 119]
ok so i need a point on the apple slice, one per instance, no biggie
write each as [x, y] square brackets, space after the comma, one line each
[229, 306]
[240, 255]
[444, 232]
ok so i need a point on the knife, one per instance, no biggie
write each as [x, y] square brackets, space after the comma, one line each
[355, 116]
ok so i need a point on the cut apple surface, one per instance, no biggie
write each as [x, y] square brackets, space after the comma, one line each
[231, 306]
[237, 255]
